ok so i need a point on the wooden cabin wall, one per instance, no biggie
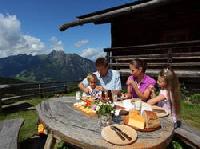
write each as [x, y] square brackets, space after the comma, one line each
[164, 24]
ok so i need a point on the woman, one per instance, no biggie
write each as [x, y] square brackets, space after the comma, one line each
[139, 84]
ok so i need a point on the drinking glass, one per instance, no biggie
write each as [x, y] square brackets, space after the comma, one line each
[138, 104]
[78, 95]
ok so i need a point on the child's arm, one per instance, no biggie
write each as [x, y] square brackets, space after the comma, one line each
[158, 98]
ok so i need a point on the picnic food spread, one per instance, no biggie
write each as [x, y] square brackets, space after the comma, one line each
[146, 119]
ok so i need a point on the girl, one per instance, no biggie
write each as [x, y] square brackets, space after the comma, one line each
[169, 94]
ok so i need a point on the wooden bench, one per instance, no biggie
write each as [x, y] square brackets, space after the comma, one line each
[9, 130]
[188, 136]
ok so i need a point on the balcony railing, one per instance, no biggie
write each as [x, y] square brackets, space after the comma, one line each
[183, 57]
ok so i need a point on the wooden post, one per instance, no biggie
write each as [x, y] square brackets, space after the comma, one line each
[169, 56]
[65, 88]
[50, 142]
[0, 105]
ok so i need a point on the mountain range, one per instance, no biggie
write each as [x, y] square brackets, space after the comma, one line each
[55, 66]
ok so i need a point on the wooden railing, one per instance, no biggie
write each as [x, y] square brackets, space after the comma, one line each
[26, 90]
[183, 57]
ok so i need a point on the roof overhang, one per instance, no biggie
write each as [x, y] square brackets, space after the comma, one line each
[108, 14]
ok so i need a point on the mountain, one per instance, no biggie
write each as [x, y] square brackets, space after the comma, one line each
[56, 66]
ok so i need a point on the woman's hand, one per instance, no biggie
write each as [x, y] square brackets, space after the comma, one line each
[132, 83]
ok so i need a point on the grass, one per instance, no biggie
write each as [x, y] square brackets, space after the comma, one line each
[190, 114]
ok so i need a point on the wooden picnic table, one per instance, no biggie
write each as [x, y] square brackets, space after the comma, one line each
[72, 126]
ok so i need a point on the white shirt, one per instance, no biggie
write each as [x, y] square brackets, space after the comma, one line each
[110, 82]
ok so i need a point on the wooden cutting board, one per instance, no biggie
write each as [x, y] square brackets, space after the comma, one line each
[110, 135]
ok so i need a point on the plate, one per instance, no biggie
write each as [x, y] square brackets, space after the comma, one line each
[110, 135]
[160, 112]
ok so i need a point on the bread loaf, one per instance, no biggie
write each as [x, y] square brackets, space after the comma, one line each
[151, 119]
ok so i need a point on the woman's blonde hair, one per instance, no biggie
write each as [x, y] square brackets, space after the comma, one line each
[173, 88]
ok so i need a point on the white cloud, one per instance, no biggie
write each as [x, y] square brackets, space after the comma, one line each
[92, 53]
[56, 44]
[13, 42]
[81, 43]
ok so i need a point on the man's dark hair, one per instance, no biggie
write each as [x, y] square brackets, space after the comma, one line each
[139, 63]
[101, 61]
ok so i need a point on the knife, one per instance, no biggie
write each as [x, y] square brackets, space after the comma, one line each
[118, 133]
[123, 133]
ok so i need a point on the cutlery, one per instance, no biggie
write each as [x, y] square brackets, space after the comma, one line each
[123, 133]
[118, 133]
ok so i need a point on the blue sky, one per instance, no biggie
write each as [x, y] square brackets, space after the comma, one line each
[31, 27]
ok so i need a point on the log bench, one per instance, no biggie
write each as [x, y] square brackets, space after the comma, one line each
[9, 130]
[188, 135]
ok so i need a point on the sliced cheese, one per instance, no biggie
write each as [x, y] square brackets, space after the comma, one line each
[136, 120]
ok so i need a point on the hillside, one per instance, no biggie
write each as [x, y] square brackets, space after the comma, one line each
[4, 80]
[56, 66]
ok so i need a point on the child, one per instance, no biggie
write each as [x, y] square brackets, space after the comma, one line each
[94, 90]
[169, 94]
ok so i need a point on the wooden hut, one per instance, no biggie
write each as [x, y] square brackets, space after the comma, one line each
[162, 32]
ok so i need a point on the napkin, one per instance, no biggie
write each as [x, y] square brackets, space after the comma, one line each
[128, 105]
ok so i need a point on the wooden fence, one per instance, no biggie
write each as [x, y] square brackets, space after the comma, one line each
[183, 57]
[26, 90]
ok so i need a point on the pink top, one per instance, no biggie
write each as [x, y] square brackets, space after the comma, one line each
[146, 82]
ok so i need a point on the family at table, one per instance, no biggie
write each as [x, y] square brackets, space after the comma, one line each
[139, 85]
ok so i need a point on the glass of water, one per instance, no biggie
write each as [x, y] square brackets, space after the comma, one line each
[78, 95]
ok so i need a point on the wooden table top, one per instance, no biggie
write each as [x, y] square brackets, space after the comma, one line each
[74, 127]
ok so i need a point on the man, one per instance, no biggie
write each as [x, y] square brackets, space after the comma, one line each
[107, 78]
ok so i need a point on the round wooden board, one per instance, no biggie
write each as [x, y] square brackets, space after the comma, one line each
[109, 135]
